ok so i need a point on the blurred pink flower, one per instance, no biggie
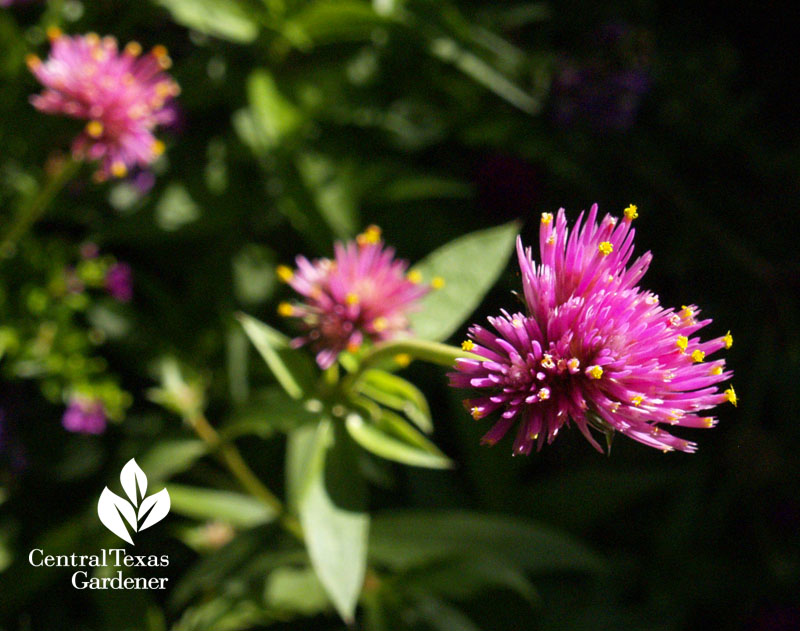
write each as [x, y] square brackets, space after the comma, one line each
[593, 347]
[119, 282]
[363, 293]
[123, 95]
[85, 416]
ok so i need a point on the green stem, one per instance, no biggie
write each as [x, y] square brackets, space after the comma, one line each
[233, 460]
[30, 213]
[433, 352]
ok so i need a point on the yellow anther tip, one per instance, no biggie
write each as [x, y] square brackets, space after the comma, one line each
[698, 355]
[380, 323]
[595, 372]
[475, 413]
[605, 248]
[33, 61]
[53, 33]
[437, 282]
[134, 49]
[728, 339]
[371, 235]
[402, 359]
[285, 273]
[414, 276]
[94, 129]
[158, 147]
[118, 169]
[286, 310]
[467, 345]
[547, 218]
[631, 212]
[682, 342]
[730, 395]
[351, 299]
[637, 400]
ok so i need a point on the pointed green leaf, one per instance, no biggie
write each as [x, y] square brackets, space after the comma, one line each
[226, 19]
[385, 445]
[292, 368]
[398, 394]
[329, 495]
[211, 504]
[469, 265]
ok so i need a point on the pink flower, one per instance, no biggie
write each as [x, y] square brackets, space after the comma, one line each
[119, 282]
[85, 416]
[593, 347]
[124, 96]
[362, 294]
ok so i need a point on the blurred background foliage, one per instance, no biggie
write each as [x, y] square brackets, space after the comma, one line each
[300, 123]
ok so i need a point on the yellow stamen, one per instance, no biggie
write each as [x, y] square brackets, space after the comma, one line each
[547, 218]
[158, 147]
[517, 324]
[370, 236]
[682, 342]
[414, 276]
[605, 248]
[631, 212]
[93, 39]
[53, 32]
[595, 372]
[285, 273]
[118, 169]
[547, 362]
[33, 61]
[352, 347]
[380, 323]
[437, 282]
[551, 240]
[544, 394]
[637, 400]
[687, 313]
[730, 395]
[476, 413]
[94, 129]
[162, 56]
[286, 310]
[708, 421]
[402, 359]
[716, 370]
[728, 339]
[467, 345]
[351, 299]
[134, 49]
[698, 355]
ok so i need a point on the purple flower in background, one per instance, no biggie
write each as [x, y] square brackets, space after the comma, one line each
[119, 282]
[363, 293]
[593, 347]
[123, 95]
[85, 416]
[607, 88]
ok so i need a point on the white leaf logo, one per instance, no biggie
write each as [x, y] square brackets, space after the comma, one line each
[111, 508]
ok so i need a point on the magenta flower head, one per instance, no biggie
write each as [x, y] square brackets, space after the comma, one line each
[119, 282]
[362, 294]
[123, 95]
[84, 416]
[593, 348]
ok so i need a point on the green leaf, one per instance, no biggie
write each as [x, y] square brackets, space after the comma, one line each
[406, 539]
[327, 22]
[330, 495]
[274, 116]
[292, 368]
[398, 394]
[235, 508]
[296, 590]
[268, 411]
[383, 444]
[170, 457]
[332, 187]
[226, 19]
[469, 265]
[442, 616]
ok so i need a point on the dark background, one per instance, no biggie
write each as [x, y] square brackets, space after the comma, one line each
[706, 146]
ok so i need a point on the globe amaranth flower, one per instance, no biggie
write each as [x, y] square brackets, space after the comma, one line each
[592, 348]
[124, 95]
[85, 416]
[362, 294]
